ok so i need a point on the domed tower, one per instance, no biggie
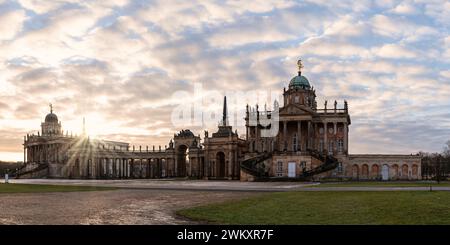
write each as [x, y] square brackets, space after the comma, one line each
[51, 126]
[300, 91]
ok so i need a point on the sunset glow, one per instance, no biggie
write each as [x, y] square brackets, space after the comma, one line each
[119, 64]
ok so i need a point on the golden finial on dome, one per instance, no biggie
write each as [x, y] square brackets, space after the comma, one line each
[300, 66]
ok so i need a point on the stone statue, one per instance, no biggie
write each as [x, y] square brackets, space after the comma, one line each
[300, 66]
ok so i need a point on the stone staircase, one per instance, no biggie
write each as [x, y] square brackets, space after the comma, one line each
[252, 169]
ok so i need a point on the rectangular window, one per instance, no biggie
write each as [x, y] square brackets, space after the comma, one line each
[330, 148]
[340, 146]
[295, 143]
[279, 169]
[321, 145]
[302, 164]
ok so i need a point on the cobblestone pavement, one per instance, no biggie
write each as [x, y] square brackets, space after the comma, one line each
[124, 206]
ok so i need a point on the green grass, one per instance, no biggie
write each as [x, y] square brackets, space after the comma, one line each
[417, 207]
[383, 184]
[30, 188]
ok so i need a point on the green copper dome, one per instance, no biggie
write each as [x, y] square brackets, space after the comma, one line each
[299, 82]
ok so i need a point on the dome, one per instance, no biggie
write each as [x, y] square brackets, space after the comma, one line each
[51, 118]
[299, 82]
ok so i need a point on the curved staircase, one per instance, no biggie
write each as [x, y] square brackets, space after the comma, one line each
[328, 163]
[252, 167]
[33, 173]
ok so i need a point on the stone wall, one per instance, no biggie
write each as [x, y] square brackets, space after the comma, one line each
[383, 167]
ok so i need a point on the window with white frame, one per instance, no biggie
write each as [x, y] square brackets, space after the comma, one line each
[341, 145]
[295, 143]
[279, 169]
[321, 145]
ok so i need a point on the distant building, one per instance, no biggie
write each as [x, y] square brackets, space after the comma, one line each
[308, 143]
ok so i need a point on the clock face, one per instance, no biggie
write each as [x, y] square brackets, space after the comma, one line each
[330, 130]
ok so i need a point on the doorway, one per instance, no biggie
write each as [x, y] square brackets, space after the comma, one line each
[220, 161]
[385, 172]
[291, 170]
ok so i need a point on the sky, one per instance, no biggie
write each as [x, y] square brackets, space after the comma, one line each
[127, 65]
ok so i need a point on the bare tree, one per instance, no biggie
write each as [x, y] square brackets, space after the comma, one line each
[446, 152]
[436, 165]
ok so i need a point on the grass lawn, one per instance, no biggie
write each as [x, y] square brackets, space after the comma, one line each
[417, 207]
[383, 184]
[27, 188]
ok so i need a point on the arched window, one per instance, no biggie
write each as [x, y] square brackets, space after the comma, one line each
[320, 130]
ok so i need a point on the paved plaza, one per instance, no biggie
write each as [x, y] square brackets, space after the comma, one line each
[123, 206]
[141, 201]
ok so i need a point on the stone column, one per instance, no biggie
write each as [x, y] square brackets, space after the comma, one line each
[314, 134]
[230, 164]
[111, 168]
[236, 164]
[299, 136]
[246, 132]
[308, 145]
[176, 164]
[124, 163]
[140, 168]
[345, 137]
[325, 133]
[129, 168]
[117, 168]
[335, 137]
[284, 135]
[149, 168]
[120, 168]
[257, 144]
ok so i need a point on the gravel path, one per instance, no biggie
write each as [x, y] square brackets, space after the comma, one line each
[125, 206]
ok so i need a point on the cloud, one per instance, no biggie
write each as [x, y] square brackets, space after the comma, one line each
[405, 8]
[394, 51]
[118, 63]
[11, 24]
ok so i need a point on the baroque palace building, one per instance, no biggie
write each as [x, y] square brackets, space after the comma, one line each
[297, 140]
